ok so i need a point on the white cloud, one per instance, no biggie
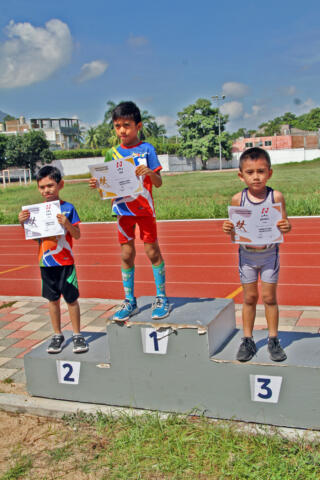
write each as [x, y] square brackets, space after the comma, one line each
[234, 89]
[255, 111]
[233, 109]
[92, 70]
[137, 41]
[169, 123]
[32, 54]
[290, 90]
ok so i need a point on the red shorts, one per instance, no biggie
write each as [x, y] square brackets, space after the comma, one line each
[127, 226]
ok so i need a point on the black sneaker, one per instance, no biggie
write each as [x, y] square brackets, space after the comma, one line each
[79, 344]
[246, 350]
[56, 344]
[277, 354]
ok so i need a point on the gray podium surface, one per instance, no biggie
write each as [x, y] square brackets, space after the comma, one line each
[197, 372]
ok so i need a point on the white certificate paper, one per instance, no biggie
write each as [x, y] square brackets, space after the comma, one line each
[256, 225]
[117, 178]
[43, 220]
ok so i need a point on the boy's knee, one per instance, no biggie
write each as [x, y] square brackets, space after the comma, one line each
[153, 252]
[251, 299]
[269, 299]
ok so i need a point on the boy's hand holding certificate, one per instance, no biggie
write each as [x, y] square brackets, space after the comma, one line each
[43, 220]
[256, 226]
[117, 178]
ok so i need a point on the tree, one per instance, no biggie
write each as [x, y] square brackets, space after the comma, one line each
[91, 139]
[199, 130]
[3, 144]
[36, 148]
[27, 150]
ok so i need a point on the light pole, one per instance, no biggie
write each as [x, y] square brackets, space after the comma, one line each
[217, 98]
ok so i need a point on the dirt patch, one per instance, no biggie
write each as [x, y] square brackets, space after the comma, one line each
[17, 388]
[42, 448]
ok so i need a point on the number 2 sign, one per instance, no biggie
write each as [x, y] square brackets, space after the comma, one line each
[68, 372]
[265, 388]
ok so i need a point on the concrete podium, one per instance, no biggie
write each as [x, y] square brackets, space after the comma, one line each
[186, 363]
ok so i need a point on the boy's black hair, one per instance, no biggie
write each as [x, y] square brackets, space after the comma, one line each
[127, 110]
[253, 154]
[51, 172]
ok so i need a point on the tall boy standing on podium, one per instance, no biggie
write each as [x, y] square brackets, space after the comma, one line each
[57, 263]
[139, 209]
[255, 171]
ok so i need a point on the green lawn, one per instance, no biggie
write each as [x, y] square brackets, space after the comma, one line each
[188, 195]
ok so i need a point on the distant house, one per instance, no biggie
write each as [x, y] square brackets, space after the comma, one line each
[62, 133]
[287, 139]
[18, 125]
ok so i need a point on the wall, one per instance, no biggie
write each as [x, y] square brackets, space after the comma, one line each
[172, 163]
[76, 166]
[285, 156]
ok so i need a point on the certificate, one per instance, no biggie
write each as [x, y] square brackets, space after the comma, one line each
[117, 178]
[256, 225]
[43, 220]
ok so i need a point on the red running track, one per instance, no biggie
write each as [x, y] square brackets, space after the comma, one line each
[200, 262]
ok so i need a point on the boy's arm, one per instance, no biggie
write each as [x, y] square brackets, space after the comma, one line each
[227, 225]
[284, 225]
[155, 177]
[74, 230]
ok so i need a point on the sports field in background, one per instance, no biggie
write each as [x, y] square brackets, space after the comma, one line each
[183, 196]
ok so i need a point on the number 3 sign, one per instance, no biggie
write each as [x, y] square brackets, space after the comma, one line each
[265, 388]
[68, 372]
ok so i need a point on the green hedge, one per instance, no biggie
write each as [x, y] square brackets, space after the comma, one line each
[83, 153]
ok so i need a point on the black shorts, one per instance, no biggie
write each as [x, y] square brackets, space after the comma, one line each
[57, 281]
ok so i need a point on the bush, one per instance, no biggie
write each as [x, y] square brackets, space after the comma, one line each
[83, 153]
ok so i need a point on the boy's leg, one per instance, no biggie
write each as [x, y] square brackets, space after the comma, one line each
[57, 340]
[161, 307]
[55, 316]
[129, 306]
[250, 299]
[74, 314]
[247, 348]
[269, 297]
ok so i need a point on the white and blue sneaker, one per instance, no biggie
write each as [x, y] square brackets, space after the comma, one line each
[126, 310]
[160, 308]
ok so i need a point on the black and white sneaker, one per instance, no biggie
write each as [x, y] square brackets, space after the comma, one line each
[56, 344]
[277, 354]
[246, 350]
[79, 344]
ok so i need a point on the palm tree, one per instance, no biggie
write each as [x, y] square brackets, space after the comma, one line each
[92, 137]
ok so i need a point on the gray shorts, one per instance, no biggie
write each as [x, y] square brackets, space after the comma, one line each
[266, 262]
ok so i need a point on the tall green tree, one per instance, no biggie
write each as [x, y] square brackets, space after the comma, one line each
[91, 138]
[3, 144]
[199, 130]
[27, 150]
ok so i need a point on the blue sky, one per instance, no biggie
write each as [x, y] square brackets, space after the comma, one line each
[68, 58]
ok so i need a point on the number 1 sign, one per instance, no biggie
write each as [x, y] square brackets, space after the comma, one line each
[155, 341]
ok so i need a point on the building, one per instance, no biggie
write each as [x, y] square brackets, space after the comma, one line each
[287, 139]
[15, 126]
[62, 133]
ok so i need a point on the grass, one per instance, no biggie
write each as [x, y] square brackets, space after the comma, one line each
[189, 195]
[152, 448]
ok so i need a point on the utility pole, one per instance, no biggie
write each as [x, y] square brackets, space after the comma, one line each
[217, 99]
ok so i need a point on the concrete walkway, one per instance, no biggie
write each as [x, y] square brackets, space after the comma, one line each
[25, 323]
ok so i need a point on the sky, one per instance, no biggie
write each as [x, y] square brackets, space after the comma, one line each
[68, 58]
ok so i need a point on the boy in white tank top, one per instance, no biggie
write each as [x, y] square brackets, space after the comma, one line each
[255, 170]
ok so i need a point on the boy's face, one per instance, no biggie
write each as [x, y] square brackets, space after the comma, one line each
[255, 174]
[50, 189]
[127, 130]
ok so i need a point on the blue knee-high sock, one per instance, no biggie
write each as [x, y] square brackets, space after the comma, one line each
[128, 282]
[159, 274]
